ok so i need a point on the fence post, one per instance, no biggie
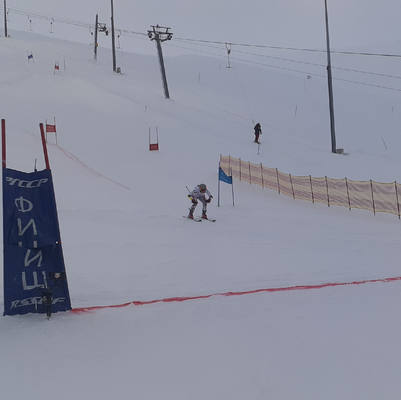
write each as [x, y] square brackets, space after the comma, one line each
[218, 184]
[373, 200]
[311, 189]
[327, 190]
[232, 185]
[240, 169]
[396, 194]
[349, 201]
[261, 174]
[278, 181]
[250, 177]
[292, 187]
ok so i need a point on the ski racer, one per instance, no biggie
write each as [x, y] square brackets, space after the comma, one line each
[199, 194]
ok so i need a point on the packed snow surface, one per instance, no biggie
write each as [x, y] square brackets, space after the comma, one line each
[121, 206]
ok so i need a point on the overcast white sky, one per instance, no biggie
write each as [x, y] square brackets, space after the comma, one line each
[353, 23]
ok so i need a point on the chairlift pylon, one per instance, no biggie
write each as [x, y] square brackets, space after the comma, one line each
[228, 48]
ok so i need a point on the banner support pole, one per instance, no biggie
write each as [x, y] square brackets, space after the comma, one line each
[3, 142]
[42, 132]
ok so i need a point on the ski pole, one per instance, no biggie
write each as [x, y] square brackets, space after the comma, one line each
[189, 195]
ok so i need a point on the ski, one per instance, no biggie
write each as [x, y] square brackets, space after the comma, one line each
[195, 219]
[208, 219]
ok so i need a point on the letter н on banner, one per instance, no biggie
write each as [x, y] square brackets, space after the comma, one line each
[34, 270]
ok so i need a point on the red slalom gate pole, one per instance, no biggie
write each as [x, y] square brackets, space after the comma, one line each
[3, 142]
[42, 132]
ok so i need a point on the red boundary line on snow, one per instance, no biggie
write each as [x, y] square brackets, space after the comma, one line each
[73, 157]
[279, 289]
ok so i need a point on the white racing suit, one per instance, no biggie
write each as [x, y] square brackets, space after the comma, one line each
[196, 195]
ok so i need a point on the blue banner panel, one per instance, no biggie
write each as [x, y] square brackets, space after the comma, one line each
[224, 177]
[34, 273]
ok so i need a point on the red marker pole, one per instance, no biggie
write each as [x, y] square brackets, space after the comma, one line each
[42, 132]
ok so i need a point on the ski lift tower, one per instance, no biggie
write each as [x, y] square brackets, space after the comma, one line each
[161, 34]
[99, 27]
[5, 19]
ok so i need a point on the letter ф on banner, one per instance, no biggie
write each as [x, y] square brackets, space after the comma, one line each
[34, 272]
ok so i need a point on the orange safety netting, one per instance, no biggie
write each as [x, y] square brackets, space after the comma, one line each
[366, 195]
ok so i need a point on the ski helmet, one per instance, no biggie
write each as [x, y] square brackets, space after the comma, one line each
[202, 187]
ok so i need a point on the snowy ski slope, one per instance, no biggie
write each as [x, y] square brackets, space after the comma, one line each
[124, 239]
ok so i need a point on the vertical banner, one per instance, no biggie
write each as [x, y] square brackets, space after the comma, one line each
[34, 273]
[227, 179]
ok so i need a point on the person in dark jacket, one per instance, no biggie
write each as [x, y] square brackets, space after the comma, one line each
[258, 131]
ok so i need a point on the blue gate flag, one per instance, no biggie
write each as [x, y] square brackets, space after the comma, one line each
[224, 177]
[34, 271]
